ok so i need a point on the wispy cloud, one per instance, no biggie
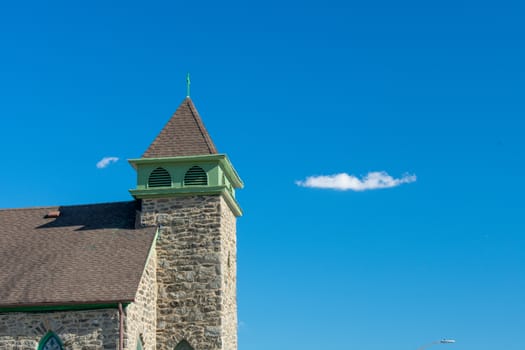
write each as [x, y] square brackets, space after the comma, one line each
[345, 182]
[104, 162]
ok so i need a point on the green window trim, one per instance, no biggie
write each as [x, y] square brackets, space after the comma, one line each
[50, 341]
[183, 345]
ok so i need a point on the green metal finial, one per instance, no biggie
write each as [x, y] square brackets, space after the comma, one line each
[188, 85]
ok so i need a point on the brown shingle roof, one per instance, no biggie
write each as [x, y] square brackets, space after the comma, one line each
[88, 254]
[183, 135]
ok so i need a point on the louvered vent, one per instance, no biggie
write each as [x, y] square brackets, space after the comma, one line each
[196, 176]
[159, 178]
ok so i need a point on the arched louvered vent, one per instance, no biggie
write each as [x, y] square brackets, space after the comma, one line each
[159, 178]
[196, 176]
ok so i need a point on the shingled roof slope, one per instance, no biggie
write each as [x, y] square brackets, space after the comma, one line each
[183, 135]
[88, 254]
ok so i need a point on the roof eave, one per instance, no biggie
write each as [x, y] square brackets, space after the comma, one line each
[68, 305]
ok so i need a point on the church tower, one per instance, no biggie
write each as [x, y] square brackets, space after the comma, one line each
[187, 189]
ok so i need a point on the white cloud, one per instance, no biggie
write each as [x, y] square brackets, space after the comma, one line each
[345, 182]
[104, 162]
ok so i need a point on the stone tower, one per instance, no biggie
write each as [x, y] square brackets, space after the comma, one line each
[187, 189]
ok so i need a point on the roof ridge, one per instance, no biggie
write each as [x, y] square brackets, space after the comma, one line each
[30, 208]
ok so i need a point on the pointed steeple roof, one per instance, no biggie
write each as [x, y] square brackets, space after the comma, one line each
[183, 135]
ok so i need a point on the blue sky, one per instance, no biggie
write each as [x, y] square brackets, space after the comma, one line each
[432, 90]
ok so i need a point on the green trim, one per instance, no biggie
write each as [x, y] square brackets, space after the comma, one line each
[179, 159]
[43, 308]
[46, 337]
[173, 191]
[139, 343]
[188, 83]
[223, 160]
[232, 203]
[193, 191]
[221, 176]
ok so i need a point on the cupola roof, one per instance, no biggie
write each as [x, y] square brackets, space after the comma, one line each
[183, 135]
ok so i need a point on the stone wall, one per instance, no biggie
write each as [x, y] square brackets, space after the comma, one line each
[229, 277]
[88, 329]
[140, 316]
[78, 330]
[196, 272]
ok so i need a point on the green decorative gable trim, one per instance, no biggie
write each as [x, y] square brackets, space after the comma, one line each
[187, 175]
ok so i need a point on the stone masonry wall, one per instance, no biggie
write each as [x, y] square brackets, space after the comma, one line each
[140, 316]
[78, 330]
[229, 277]
[196, 278]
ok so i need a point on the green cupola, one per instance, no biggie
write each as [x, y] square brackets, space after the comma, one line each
[183, 161]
